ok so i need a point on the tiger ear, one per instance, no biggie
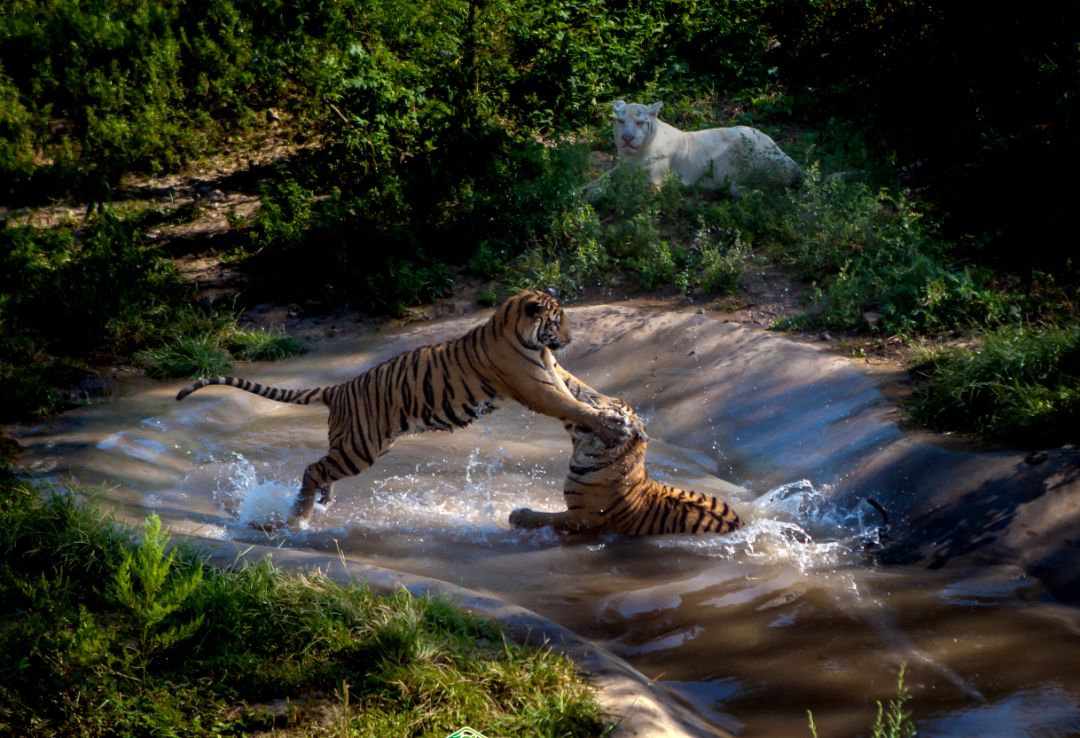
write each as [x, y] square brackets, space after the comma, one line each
[533, 308]
[554, 291]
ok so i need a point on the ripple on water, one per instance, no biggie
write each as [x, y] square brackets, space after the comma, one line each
[1046, 712]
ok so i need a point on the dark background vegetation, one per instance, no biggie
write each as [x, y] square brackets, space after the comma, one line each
[453, 136]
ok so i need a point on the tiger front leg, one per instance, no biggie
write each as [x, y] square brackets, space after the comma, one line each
[617, 422]
[302, 505]
[611, 426]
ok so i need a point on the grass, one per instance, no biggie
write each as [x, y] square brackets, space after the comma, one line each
[109, 632]
[263, 345]
[1022, 384]
[211, 354]
[186, 356]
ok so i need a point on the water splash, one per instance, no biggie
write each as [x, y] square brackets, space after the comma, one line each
[793, 524]
[247, 498]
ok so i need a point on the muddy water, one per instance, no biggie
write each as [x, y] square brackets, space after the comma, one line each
[793, 613]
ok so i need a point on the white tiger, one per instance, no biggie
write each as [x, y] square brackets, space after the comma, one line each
[713, 159]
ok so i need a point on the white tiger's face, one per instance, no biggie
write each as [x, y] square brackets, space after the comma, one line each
[633, 126]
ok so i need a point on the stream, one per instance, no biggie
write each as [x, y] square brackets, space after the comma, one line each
[813, 605]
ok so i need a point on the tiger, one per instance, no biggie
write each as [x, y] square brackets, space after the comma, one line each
[608, 489]
[440, 387]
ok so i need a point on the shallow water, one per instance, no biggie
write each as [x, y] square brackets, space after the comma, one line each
[751, 629]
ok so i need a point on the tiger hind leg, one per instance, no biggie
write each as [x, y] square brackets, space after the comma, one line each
[320, 478]
[564, 522]
[326, 499]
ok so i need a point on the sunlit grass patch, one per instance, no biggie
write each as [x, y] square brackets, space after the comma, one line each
[107, 631]
[188, 357]
[263, 345]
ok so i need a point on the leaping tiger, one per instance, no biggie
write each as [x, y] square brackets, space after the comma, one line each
[608, 489]
[441, 387]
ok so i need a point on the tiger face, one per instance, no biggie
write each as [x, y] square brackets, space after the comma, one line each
[541, 322]
[590, 449]
[633, 125]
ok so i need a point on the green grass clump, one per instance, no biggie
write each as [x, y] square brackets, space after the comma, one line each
[108, 632]
[187, 357]
[261, 345]
[212, 350]
[1021, 385]
[675, 239]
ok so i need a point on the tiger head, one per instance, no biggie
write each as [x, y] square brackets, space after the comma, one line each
[590, 449]
[633, 126]
[538, 320]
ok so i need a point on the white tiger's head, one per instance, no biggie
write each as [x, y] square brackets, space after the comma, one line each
[633, 126]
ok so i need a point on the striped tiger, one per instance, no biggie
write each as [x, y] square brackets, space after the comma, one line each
[608, 489]
[440, 387]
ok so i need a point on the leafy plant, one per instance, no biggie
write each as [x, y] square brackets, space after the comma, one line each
[147, 585]
[414, 665]
[894, 721]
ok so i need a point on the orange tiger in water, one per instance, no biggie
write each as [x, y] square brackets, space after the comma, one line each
[441, 387]
[608, 489]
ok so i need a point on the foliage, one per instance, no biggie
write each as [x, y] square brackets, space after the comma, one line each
[672, 239]
[145, 585]
[1022, 385]
[204, 344]
[186, 357]
[103, 288]
[76, 289]
[212, 647]
[895, 721]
